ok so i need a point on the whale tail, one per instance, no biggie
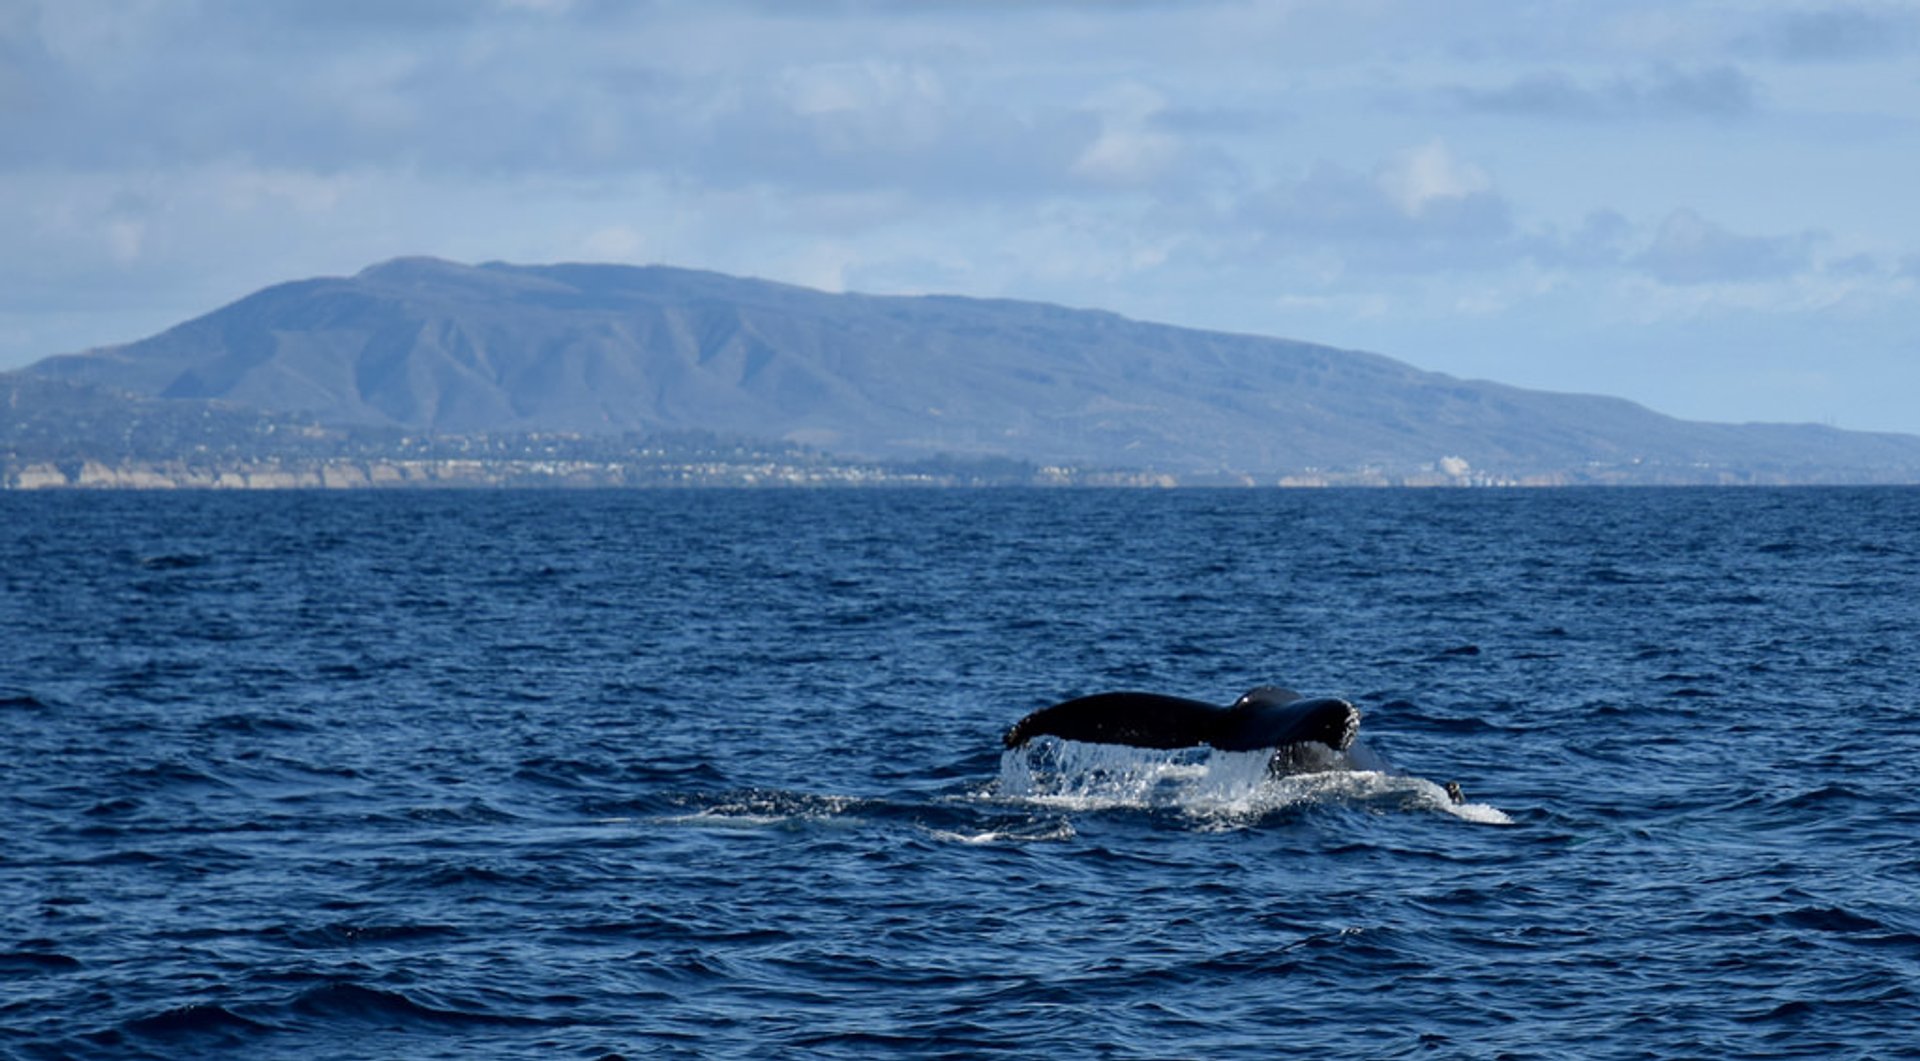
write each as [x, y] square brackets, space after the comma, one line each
[1142, 720]
[1265, 723]
[1266, 717]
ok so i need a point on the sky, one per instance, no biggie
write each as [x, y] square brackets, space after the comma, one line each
[1705, 206]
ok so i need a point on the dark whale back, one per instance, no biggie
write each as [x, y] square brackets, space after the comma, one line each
[1142, 720]
[1267, 717]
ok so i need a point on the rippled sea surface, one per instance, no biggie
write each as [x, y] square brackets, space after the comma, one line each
[718, 774]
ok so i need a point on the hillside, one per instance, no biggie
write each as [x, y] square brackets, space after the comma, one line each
[434, 346]
[56, 434]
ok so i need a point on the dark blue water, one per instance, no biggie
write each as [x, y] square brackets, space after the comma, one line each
[717, 774]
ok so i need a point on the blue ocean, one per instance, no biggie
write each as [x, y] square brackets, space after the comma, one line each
[719, 774]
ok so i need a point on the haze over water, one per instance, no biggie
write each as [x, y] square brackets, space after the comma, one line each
[710, 774]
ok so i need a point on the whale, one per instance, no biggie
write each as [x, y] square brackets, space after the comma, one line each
[1267, 717]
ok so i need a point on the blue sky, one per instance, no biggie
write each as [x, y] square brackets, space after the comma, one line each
[1706, 207]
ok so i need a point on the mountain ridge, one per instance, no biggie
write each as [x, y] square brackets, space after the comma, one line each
[429, 345]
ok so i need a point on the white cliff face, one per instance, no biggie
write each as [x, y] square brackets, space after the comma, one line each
[347, 474]
[37, 477]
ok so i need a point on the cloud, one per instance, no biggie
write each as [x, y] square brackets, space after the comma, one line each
[1421, 209]
[438, 91]
[1428, 213]
[1134, 147]
[843, 130]
[1836, 34]
[1689, 249]
[1429, 176]
[1719, 92]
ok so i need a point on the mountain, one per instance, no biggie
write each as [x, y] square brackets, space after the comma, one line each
[434, 346]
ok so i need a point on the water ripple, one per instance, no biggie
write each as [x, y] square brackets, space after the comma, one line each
[710, 774]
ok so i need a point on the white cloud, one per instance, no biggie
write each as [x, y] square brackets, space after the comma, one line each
[862, 87]
[613, 243]
[822, 265]
[1423, 209]
[124, 238]
[1428, 175]
[1133, 147]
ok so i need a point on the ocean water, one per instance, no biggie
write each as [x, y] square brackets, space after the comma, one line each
[718, 774]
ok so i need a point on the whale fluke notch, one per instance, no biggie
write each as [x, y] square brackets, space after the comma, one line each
[1265, 717]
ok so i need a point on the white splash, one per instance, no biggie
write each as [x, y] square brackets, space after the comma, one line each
[1220, 788]
[1060, 830]
[762, 810]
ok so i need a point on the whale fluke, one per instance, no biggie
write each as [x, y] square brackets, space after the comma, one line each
[1266, 717]
[1142, 720]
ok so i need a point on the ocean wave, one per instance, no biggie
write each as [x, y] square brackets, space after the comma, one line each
[347, 1002]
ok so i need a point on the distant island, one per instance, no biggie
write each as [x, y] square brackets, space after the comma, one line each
[421, 372]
